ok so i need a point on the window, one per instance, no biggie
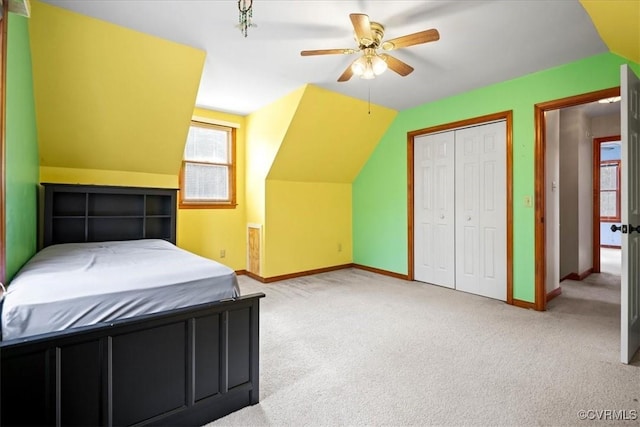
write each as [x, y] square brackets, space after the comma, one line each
[610, 191]
[207, 176]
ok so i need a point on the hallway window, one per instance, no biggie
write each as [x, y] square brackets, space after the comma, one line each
[207, 176]
[610, 191]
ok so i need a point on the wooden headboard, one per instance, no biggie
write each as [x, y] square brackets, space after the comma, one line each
[96, 213]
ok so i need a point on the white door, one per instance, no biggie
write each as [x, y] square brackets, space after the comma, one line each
[480, 182]
[630, 189]
[433, 209]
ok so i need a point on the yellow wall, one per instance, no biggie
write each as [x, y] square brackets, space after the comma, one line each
[307, 221]
[106, 177]
[303, 152]
[265, 131]
[108, 97]
[618, 23]
[207, 232]
[266, 128]
[330, 138]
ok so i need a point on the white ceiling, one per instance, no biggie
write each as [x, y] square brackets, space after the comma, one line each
[481, 42]
[595, 109]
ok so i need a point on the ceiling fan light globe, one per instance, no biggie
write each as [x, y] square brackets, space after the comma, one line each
[378, 65]
[359, 66]
[368, 73]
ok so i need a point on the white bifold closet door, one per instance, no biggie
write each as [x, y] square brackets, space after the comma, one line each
[460, 209]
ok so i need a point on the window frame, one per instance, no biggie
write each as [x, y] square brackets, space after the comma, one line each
[617, 217]
[210, 204]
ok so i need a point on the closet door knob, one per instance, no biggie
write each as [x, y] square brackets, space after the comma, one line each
[468, 217]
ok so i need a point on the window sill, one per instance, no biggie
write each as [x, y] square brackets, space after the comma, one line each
[196, 205]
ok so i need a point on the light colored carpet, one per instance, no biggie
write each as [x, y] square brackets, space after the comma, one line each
[352, 347]
[610, 260]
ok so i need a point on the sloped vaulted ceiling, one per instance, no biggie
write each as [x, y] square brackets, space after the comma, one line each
[330, 137]
[108, 97]
[618, 23]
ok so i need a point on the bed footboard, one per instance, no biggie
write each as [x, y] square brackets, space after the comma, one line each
[183, 367]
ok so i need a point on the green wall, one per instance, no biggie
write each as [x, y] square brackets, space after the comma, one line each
[380, 190]
[21, 160]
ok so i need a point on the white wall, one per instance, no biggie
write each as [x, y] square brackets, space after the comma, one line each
[552, 199]
[576, 203]
[585, 194]
[602, 126]
[568, 192]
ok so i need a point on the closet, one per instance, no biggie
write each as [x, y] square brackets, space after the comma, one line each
[460, 223]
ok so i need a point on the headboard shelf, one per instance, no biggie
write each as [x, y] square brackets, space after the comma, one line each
[93, 213]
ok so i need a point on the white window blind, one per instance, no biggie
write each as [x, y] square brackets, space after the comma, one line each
[207, 163]
[207, 145]
[206, 182]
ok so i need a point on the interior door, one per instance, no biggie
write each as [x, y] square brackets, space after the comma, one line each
[630, 204]
[434, 209]
[481, 200]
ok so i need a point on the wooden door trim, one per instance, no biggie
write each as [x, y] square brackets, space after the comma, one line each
[540, 171]
[3, 117]
[507, 116]
[596, 198]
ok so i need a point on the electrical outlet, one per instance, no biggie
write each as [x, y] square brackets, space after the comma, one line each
[339, 247]
[528, 202]
[223, 253]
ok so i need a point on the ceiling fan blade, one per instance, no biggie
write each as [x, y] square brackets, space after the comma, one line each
[396, 65]
[362, 27]
[348, 73]
[412, 39]
[327, 52]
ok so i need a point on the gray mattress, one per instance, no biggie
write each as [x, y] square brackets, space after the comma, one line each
[78, 284]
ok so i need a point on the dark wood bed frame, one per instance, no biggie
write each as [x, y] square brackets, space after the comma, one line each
[186, 366]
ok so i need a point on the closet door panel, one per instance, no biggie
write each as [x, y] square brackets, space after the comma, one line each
[467, 199]
[481, 210]
[434, 209]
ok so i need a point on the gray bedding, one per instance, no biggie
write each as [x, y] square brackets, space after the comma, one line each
[78, 284]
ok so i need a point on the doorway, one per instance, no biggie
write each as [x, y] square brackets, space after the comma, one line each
[542, 186]
[607, 165]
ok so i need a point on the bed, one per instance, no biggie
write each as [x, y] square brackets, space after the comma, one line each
[148, 345]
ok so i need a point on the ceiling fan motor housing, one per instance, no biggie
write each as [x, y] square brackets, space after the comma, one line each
[377, 33]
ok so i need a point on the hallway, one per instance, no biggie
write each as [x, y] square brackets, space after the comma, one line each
[597, 296]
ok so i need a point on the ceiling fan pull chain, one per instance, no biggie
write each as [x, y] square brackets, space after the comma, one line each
[369, 97]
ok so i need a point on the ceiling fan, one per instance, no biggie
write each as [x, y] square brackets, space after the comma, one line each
[369, 36]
